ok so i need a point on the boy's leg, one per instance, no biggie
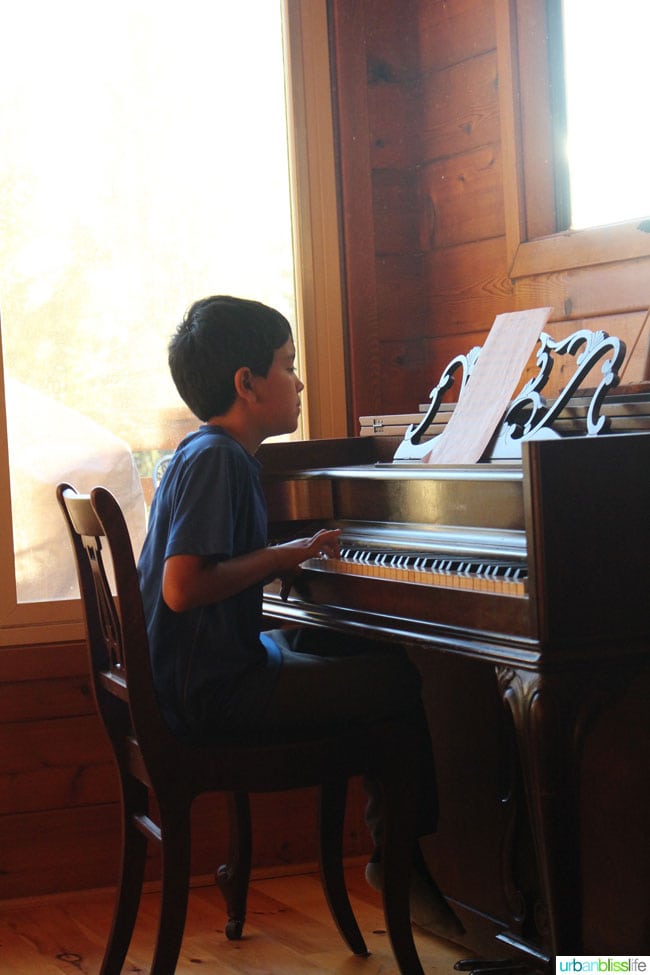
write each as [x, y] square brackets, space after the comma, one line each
[337, 682]
[329, 680]
[333, 680]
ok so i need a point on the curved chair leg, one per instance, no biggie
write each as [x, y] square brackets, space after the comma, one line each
[233, 877]
[134, 853]
[397, 856]
[331, 815]
[175, 845]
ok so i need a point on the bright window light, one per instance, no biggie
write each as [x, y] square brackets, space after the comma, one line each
[606, 64]
[144, 165]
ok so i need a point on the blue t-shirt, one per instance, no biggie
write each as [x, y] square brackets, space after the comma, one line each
[212, 671]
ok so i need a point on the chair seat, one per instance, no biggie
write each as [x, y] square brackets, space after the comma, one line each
[270, 767]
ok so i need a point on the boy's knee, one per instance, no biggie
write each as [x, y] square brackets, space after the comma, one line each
[402, 677]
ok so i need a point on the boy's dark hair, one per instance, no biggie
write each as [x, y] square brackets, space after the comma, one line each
[218, 336]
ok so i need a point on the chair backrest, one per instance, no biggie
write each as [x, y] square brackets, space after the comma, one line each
[115, 625]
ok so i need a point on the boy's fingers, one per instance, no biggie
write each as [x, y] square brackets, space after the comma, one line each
[326, 535]
[328, 547]
[287, 583]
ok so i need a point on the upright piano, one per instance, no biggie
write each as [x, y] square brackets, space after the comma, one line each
[521, 590]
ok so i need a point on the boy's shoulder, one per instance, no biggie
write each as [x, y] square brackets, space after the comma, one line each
[210, 440]
[204, 437]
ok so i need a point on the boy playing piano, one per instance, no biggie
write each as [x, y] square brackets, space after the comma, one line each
[206, 558]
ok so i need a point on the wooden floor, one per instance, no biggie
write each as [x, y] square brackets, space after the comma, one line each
[288, 931]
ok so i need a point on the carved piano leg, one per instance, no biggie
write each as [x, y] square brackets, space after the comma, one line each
[552, 712]
[547, 712]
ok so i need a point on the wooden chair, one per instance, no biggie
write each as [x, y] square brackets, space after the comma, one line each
[153, 764]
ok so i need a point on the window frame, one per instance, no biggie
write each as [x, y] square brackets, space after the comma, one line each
[319, 305]
[533, 179]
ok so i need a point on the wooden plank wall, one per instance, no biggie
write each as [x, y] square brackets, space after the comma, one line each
[423, 209]
[377, 107]
[59, 792]
[463, 218]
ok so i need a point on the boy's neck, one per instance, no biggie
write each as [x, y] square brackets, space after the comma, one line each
[238, 431]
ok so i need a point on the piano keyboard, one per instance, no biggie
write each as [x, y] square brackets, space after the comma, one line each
[491, 575]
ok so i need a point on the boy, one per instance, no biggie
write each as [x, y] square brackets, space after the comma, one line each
[205, 561]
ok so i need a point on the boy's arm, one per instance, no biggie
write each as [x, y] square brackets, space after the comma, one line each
[190, 581]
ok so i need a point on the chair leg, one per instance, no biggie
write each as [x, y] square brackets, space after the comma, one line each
[397, 857]
[232, 878]
[134, 853]
[175, 845]
[331, 815]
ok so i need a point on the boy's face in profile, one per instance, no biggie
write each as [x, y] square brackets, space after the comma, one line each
[278, 394]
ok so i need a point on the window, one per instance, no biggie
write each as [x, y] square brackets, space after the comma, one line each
[145, 163]
[538, 215]
[608, 142]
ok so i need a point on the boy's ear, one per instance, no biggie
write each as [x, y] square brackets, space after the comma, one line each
[243, 380]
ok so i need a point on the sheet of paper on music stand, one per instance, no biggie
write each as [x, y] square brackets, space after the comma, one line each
[490, 388]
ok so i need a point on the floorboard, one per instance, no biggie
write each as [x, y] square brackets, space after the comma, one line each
[288, 931]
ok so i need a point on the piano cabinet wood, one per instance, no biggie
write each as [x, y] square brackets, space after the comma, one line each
[538, 703]
[544, 790]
